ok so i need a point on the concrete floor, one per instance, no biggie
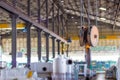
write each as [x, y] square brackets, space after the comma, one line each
[98, 77]
[101, 77]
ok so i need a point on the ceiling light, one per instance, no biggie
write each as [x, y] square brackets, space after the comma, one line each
[72, 17]
[62, 1]
[102, 8]
[103, 19]
[76, 22]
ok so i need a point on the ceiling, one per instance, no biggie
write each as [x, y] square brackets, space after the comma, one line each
[103, 13]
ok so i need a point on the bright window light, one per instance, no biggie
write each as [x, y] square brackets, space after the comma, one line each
[103, 19]
[76, 22]
[72, 17]
[102, 8]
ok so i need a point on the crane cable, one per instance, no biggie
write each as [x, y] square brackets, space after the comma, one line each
[96, 6]
[81, 13]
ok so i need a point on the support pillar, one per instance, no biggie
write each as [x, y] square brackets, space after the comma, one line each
[14, 42]
[88, 59]
[28, 26]
[53, 47]
[62, 47]
[58, 43]
[67, 50]
[39, 31]
[47, 47]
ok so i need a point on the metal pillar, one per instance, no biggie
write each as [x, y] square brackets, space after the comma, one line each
[67, 50]
[39, 44]
[58, 43]
[39, 11]
[14, 36]
[53, 47]
[28, 26]
[62, 47]
[88, 59]
[28, 7]
[47, 46]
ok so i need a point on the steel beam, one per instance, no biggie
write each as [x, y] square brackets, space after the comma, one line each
[14, 36]
[39, 11]
[53, 19]
[28, 26]
[22, 16]
[117, 12]
[14, 2]
[58, 45]
[39, 31]
[28, 7]
[43, 4]
[47, 47]
[47, 14]
[62, 33]
[59, 5]
[58, 28]
[53, 47]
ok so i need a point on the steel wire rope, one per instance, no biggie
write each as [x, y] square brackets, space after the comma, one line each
[96, 6]
[81, 21]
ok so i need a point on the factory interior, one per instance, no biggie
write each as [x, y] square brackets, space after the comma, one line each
[59, 40]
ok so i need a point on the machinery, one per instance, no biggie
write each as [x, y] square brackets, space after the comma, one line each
[89, 36]
[111, 73]
[62, 68]
[16, 74]
[83, 71]
[43, 69]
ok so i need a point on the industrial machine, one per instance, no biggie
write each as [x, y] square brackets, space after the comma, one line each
[84, 71]
[60, 69]
[16, 74]
[89, 36]
[42, 69]
[111, 73]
